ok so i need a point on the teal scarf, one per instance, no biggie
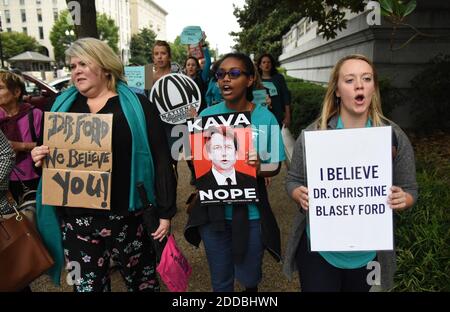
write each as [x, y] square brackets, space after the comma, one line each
[142, 170]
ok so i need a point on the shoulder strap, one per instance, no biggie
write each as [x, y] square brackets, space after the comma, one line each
[31, 124]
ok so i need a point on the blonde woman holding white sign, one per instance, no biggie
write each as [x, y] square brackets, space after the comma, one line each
[90, 238]
[352, 101]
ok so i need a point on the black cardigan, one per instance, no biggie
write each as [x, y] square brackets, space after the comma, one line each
[215, 214]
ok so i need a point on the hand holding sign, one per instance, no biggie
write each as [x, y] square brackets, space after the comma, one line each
[39, 153]
[300, 195]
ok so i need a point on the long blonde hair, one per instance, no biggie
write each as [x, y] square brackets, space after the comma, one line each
[92, 50]
[330, 106]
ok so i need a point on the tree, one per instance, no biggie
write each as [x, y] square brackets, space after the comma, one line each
[108, 32]
[179, 51]
[15, 43]
[263, 22]
[84, 13]
[141, 46]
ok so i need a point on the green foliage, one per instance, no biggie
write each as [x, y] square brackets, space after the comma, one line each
[396, 9]
[306, 103]
[107, 31]
[15, 43]
[423, 233]
[141, 46]
[390, 96]
[263, 22]
[430, 101]
[179, 51]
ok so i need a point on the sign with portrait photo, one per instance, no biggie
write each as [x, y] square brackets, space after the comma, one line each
[349, 174]
[77, 172]
[219, 145]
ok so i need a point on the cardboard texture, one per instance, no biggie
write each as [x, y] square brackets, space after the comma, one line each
[77, 172]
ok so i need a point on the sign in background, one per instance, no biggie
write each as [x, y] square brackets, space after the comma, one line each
[77, 172]
[175, 95]
[349, 175]
[139, 77]
[191, 35]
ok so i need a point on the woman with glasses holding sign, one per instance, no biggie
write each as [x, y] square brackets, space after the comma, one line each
[352, 100]
[278, 91]
[235, 236]
[91, 238]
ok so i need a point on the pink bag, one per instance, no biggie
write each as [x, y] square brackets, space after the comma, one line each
[174, 268]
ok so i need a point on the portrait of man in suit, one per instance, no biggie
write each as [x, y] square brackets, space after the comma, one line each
[222, 149]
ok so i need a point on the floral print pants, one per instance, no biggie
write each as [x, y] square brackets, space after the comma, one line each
[93, 241]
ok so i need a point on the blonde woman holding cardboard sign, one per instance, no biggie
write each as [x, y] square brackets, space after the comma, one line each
[140, 153]
[352, 101]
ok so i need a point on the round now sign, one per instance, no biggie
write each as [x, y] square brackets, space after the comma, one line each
[175, 95]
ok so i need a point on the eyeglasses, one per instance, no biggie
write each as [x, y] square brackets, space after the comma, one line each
[233, 73]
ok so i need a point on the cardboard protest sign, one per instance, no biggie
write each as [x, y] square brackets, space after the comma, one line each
[175, 95]
[191, 35]
[139, 77]
[349, 176]
[77, 172]
[219, 144]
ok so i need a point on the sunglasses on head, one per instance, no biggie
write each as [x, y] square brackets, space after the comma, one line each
[233, 73]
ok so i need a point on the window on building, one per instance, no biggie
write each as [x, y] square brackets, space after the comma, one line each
[8, 29]
[38, 2]
[55, 14]
[5, 2]
[39, 15]
[55, 1]
[25, 30]
[41, 32]
[7, 16]
[22, 2]
[24, 15]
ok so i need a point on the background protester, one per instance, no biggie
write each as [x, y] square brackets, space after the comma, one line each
[235, 236]
[213, 94]
[352, 100]
[279, 93]
[162, 57]
[92, 237]
[200, 74]
[21, 123]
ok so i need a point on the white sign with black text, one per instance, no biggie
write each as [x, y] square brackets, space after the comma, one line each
[349, 174]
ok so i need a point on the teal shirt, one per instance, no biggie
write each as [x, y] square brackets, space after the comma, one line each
[267, 141]
[348, 259]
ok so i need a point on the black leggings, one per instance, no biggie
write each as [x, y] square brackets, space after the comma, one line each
[316, 274]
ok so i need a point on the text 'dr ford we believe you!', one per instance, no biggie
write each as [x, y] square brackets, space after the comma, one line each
[77, 172]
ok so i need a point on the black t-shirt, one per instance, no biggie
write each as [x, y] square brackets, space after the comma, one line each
[165, 182]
